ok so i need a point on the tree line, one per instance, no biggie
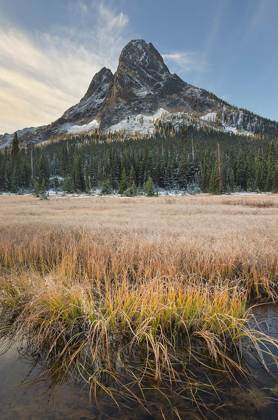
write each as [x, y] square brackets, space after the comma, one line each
[191, 160]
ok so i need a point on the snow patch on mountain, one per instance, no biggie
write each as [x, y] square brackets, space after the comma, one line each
[141, 124]
[234, 130]
[210, 116]
[93, 125]
[218, 123]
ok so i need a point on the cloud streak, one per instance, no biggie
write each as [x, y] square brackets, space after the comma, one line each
[42, 74]
[186, 61]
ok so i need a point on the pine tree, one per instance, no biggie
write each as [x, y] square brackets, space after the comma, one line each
[240, 172]
[42, 170]
[106, 188]
[123, 183]
[219, 168]
[77, 174]
[43, 194]
[15, 147]
[270, 168]
[214, 184]
[15, 162]
[68, 185]
[133, 189]
[183, 168]
[14, 183]
[88, 185]
[132, 177]
[205, 174]
[258, 171]
[64, 161]
[149, 187]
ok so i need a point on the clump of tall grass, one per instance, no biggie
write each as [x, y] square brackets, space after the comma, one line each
[108, 308]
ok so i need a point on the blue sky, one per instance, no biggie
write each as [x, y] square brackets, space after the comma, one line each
[50, 50]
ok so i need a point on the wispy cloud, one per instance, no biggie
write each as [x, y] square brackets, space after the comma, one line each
[186, 61]
[42, 74]
[261, 14]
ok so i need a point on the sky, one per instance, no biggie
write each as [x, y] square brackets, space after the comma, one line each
[50, 50]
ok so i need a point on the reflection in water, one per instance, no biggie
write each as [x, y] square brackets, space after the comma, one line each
[29, 390]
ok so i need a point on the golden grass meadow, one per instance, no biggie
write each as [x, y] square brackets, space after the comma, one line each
[133, 294]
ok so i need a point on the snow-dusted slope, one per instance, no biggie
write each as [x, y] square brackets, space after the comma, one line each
[139, 124]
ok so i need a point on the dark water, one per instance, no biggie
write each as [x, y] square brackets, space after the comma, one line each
[24, 396]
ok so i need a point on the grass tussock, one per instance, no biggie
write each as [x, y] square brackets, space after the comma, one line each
[149, 333]
[126, 308]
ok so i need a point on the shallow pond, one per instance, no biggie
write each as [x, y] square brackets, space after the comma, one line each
[25, 395]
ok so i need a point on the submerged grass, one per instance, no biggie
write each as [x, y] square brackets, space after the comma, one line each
[132, 312]
[147, 334]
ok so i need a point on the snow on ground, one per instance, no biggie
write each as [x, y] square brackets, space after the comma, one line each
[161, 193]
[82, 128]
[142, 124]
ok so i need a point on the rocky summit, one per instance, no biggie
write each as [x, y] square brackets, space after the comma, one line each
[144, 87]
[143, 84]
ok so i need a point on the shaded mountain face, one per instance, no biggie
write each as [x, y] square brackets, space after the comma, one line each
[89, 106]
[143, 85]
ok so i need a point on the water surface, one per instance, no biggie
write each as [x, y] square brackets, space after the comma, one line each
[25, 395]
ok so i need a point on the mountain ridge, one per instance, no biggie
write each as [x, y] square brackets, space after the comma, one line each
[142, 86]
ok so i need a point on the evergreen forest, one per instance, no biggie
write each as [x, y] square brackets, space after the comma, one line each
[192, 160]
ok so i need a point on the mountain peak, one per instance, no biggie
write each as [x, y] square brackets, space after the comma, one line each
[142, 58]
[104, 76]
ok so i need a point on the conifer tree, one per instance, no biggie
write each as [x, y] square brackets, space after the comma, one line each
[88, 186]
[205, 174]
[270, 168]
[15, 147]
[183, 169]
[132, 177]
[36, 189]
[214, 184]
[123, 182]
[106, 187]
[149, 187]
[43, 194]
[14, 182]
[77, 174]
[64, 161]
[240, 172]
[68, 185]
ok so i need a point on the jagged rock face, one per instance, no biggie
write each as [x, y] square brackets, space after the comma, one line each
[89, 106]
[142, 84]
[140, 73]
[99, 84]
